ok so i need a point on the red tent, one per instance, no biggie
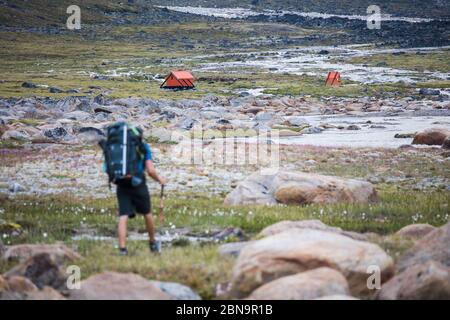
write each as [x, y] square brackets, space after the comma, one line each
[179, 80]
[333, 79]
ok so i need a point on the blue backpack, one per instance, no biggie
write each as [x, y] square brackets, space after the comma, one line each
[123, 148]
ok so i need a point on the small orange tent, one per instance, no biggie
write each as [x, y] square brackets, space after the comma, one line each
[333, 79]
[179, 80]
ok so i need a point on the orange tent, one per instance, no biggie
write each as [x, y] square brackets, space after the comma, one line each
[179, 80]
[333, 79]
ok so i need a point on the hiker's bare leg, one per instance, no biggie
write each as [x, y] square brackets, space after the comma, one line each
[122, 231]
[150, 226]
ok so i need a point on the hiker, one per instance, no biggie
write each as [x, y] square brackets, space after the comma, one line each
[127, 159]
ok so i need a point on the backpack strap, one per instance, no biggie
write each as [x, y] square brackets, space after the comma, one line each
[140, 149]
[135, 131]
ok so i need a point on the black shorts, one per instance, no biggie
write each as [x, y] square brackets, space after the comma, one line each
[133, 200]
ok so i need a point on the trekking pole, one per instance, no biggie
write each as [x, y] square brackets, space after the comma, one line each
[161, 206]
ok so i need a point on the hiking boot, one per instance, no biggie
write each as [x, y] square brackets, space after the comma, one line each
[155, 246]
[123, 252]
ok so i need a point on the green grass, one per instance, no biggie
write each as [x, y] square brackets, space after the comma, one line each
[29, 122]
[58, 218]
[428, 61]
[65, 61]
[434, 84]
[52, 219]
[315, 86]
[11, 144]
[200, 268]
[405, 168]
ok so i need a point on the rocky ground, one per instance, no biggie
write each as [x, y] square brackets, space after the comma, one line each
[363, 167]
[49, 151]
[64, 134]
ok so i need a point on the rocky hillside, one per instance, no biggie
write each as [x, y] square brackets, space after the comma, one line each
[412, 8]
[52, 14]
[45, 13]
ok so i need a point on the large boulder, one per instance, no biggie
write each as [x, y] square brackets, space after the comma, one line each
[16, 135]
[177, 291]
[429, 91]
[288, 133]
[306, 285]
[46, 293]
[427, 281]
[232, 249]
[118, 286]
[253, 190]
[435, 136]
[299, 250]
[15, 288]
[17, 284]
[307, 224]
[446, 143]
[15, 187]
[299, 188]
[77, 115]
[20, 288]
[43, 270]
[55, 133]
[129, 102]
[23, 252]
[160, 134]
[415, 231]
[29, 84]
[90, 135]
[337, 297]
[265, 116]
[434, 246]
[296, 121]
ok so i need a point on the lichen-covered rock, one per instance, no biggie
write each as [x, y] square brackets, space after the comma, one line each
[177, 291]
[118, 286]
[307, 224]
[337, 297]
[299, 188]
[21, 288]
[415, 231]
[306, 285]
[434, 246]
[42, 269]
[426, 281]
[435, 136]
[16, 135]
[446, 143]
[232, 248]
[299, 250]
[23, 252]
